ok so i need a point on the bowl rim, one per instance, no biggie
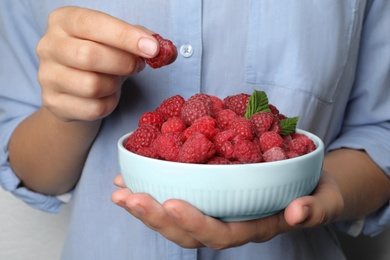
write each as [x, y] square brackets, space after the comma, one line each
[319, 149]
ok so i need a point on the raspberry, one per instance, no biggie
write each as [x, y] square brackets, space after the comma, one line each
[276, 126]
[218, 160]
[224, 118]
[242, 127]
[143, 136]
[237, 103]
[301, 144]
[153, 118]
[262, 122]
[171, 107]
[270, 139]
[173, 124]
[218, 104]
[166, 55]
[197, 149]
[168, 145]
[195, 107]
[147, 152]
[274, 154]
[273, 109]
[223, 142]
[205, 125]
[247, 152]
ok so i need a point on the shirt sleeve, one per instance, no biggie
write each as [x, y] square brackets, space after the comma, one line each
[367, 118]
[19, 92]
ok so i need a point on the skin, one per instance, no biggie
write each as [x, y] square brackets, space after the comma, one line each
[84, 57]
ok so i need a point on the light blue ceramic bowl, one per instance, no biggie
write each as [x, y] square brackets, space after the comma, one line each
[227, 192]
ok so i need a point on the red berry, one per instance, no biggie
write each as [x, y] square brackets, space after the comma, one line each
[274, 154]
[242, 127]
[147, 152]
[153, 118]
[143, 136]
[262, 122]
[168, 145]
[205, 125]
[166, 55]
[247, 152]
[270, 139]
[301, 144]
[224, 143]
[197, 149]
[218, 160]
[195, 107]
[173, 124]
[171, 107]
[237, 103]
[218, 104]
[224, 118]
[273, 109]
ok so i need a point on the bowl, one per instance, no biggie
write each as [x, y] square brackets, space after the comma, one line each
[236, 192]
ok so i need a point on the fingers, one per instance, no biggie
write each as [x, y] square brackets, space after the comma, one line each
[322, 207]
[103, 28]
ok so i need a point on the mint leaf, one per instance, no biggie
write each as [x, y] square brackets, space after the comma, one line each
[288, 125]
[258, 102]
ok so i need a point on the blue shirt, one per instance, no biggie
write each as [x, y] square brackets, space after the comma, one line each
[326, 61]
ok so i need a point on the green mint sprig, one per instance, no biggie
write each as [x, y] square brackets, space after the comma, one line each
[258, 102]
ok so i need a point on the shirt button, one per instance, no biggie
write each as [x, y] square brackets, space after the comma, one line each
[186, 50]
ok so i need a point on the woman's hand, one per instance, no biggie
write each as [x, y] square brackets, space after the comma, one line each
[183, 224]
[84, 57]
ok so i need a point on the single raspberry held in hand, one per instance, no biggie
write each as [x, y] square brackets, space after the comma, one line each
[247, 152]
[173, 125]
[270, 139]
[197, 149]
[143, 136]
[153, 118]
[171, 107]
[195, 107]
[166, 55]
[168, 145]
[238, 103]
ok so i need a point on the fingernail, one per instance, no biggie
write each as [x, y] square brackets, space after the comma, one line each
[147, 46]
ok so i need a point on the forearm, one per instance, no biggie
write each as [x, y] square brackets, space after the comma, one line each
[363, 185]
[48, 154]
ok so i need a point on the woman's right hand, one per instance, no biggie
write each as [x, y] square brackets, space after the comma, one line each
[85, 56]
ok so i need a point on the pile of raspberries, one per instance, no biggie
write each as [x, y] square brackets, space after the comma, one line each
[205, 129]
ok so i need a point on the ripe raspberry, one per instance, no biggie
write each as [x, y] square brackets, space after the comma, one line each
[153, 118]
[242, 127]
[237, 103]
[262, 122]
[171, 107]
[218, 160]
[276, 126]
[247, 152]
[143, 136]
[205, 125]
[168, 145]
[224, 143]
[301, 144]
[174, 125]
[197, 149]
[273, 109]
[195, 107]
[218, 104]
[147, 152]
[274, 154]
[166, 55]
[270, 139]
[224, 118]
